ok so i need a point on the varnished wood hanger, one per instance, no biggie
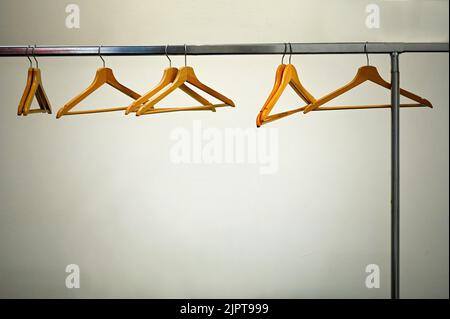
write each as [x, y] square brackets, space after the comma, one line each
[103, 76]
[364, 74]
[185, 75]
[34, 87]
[285, 75]
[37, 89]
[168, 77]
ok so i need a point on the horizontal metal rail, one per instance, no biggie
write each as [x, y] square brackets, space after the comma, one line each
[228, 49]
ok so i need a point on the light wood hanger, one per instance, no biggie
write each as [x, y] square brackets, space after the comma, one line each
[364, 74]
[37, 89]
[185, 75]
[285, 75]
[103, 76]
[168, 77]
[34, 87]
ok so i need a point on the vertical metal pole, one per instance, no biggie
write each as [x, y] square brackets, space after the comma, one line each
[395, 177]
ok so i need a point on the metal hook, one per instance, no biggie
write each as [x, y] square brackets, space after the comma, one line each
[290, 55]
[284, 53]
[28, 56]
[367, 54]
[34, 57]
[167, 56]
[185, 55]
[99, 47]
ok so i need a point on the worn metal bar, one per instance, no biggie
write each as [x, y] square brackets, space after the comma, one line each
[395, 176]
[229, 49]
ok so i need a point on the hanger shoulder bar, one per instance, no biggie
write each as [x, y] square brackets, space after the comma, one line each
[26, 91]
[77, 99]
[41, 96]
[315, 105]
[192, 79]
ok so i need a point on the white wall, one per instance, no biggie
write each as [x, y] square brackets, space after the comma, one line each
[101, 190]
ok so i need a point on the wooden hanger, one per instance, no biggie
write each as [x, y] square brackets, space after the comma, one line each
[34, 87]
[37, 89]
[364, 74]
[185, 75]
[169, 76]
[285, 75]
[278, 78]
[290, 77]
[103, 76]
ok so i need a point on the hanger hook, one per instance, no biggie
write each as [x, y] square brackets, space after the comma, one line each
[284, 53]
[99, 54]
[34, 57]
[185, 55]
[28, 56]
[290, 55]
[167, 56]
[367, 54]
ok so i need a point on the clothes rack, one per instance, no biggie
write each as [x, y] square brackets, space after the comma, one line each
[394, 49]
